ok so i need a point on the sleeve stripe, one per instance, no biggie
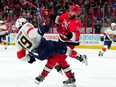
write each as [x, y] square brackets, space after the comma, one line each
[21, 53]
[29, 30]
[104, 33]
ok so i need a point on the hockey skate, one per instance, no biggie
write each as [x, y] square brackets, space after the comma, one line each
[5, 48]
[70, 81]
[83, 59]
[100, 53]
[39, 79]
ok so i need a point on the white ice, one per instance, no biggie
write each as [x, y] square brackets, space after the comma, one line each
[100, 72]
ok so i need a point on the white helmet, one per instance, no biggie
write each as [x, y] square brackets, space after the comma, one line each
[113, 24]
[1, 21]
[19, 23]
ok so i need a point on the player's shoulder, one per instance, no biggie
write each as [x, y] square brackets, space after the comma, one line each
[77, 21]
[65, 14]
[26, 26]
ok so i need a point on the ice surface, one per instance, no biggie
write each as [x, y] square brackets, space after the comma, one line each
[101, 71]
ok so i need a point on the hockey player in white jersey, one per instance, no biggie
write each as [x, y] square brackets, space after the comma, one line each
[108, 36]
[3, 33]
[31, 40]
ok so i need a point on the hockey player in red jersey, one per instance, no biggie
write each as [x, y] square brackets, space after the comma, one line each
[70, 25]
[69, 32]
[32, 40]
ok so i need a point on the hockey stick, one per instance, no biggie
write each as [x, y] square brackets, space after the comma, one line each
[32, 5]
[40, 14]
[32, 54]
[39, 8]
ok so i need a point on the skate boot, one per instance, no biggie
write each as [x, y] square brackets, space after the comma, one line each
[39, 79]
[83, 59]
[70, 81]
[100, 53]
[5, 48]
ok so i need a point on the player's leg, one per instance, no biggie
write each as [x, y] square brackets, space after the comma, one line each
[67, 70]
[48, 67]
[107, 45]
[61, 48]
[76, 55]
[50, 48]
[4, 41]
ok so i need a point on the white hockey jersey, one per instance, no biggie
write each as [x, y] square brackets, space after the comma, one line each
[109, 32]
[3, 29]
[26, 39]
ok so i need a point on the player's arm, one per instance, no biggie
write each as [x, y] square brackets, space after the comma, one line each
[58, 19]
[102, 36]
[21, 54]
[43, 29]
[105, 34]
[67, 35]
[31, 31]
[75, 31]
[3, 28]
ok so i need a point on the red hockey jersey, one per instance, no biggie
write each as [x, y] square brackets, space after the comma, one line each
[73, 25]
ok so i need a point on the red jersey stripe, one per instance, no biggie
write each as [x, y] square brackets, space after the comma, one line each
[29, 30]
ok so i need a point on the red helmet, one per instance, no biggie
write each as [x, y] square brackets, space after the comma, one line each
[76, 8]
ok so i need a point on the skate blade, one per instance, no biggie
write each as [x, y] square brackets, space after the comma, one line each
[61, 72]
[86, 60]
[5, 48]
[36, 82]
[70, 85]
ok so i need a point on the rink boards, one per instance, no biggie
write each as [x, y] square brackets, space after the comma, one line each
[91, 41]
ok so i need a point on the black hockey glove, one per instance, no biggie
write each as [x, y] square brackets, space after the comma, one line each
[114, 39]
[53, 17]
[58, 68]
[43, 29]
[6, 33]
[69, 35]
[102, 38]
[32, 59]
